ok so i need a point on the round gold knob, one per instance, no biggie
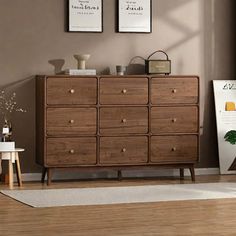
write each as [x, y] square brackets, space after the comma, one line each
[71, 121]
[124, 91]
[123, 150]
[72, 91]
[123, 120]
[173, 149]
[174, 120]
[174, 90]
[72, 151]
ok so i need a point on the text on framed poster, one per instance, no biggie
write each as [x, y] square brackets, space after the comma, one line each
[85, 15]
[134, 16]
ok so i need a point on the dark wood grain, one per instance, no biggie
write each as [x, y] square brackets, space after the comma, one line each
[117, 122]
[62, 121]
[40, 119]
[174, 119]
[174, 90]
[123, 120]
[71, 91]
[71, 151]
[174, 149]
[123, 150]
[124, 90]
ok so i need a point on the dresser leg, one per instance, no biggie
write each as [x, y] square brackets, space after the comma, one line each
[181, 171]
[119, 175]
[44, 171]
[49, 176]
[192, 173]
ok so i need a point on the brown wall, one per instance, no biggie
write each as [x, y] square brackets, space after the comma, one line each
[198, 35]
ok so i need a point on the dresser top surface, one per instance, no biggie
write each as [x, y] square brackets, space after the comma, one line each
[118, 76]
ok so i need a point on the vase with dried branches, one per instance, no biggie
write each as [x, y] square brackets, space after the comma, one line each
[8, 105]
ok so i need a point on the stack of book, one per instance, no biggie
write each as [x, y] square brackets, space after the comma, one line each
[80, 72]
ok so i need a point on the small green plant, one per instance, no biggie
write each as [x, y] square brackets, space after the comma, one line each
[230, 136]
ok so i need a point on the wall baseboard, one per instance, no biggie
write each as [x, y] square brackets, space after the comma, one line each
[66, 175]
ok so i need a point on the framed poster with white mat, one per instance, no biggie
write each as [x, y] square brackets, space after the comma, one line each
[134, 16]
[85, 16]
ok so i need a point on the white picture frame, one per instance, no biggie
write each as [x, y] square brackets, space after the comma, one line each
[85, 16]
[134, 16]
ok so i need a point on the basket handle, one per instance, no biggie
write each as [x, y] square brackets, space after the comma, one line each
[167, 58]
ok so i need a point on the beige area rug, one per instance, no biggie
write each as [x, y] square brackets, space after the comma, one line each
[119, 195]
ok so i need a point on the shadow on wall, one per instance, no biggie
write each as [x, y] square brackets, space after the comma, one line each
[23, 124]
[184, 30]
[57, 64]
[233, 38]
[165, 6]
[219, 63]
[213, 34]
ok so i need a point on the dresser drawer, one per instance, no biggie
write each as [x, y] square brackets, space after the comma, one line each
[174, 149]
[71, 151]
[68, 121]
[174, 119]
[123, 150]
[174, 90]
[124, 90]
[71, 91]
[123, 120]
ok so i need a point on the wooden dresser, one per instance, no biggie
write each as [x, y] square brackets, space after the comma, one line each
[117, 122]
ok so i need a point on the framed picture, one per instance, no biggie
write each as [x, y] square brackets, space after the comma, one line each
[85, 15]
[134, 16]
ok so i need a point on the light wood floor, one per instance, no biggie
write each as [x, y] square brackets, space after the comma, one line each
[203, 217]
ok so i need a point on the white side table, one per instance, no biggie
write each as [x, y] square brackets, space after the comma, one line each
[12, 156]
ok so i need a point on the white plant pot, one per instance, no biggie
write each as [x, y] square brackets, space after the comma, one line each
[7, 146]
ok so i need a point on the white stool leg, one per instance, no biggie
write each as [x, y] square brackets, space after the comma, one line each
[10, 169]
[0, 163]
[18, 170]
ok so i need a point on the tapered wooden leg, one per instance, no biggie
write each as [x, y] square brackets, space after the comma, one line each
[49, 176]
[181, 171]
[192, 173]
[10, 169]
[1, 164]
[44, 171]
[119, 175]
[18, 169]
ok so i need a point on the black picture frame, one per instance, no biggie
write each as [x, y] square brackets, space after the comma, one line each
[134, 16]
[85, 16]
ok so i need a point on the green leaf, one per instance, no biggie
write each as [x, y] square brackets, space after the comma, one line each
[230, 136]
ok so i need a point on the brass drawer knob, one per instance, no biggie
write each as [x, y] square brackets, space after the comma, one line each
[174, 120]
[72, 91]
[123, 120]
[173, 149]
[72, 151]
[71, 121]
[123, 150]
[124, 91]
[174, 90]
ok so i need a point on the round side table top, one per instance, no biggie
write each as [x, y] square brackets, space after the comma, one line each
[13, 150]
